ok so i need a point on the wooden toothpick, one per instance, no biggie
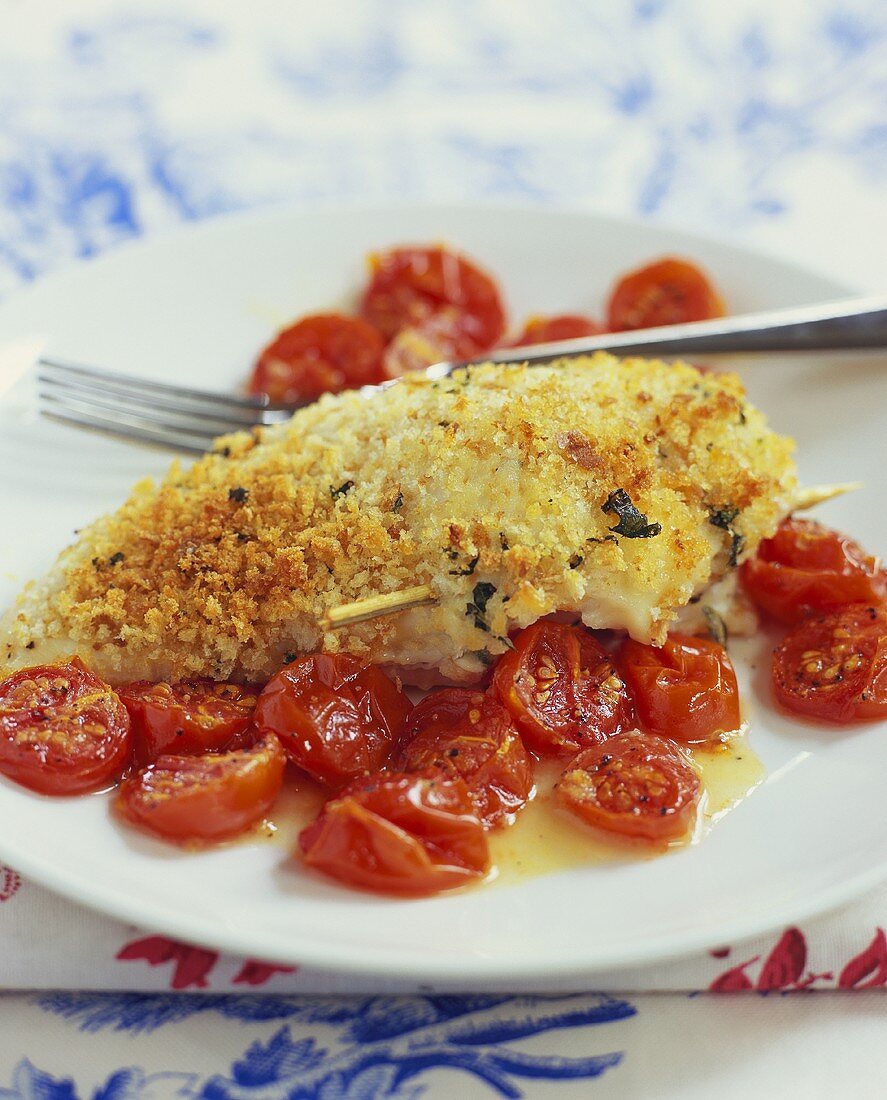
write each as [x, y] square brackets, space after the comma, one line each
[373, 606]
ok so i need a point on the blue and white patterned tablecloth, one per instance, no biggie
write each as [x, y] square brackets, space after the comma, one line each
[760, 121]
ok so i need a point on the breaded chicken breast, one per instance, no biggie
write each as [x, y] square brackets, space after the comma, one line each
[616, 490]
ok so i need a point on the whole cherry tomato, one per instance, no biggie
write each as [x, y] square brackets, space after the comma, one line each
[635, 784]
[323, 353]
[187, 718]
[562, 688]
[562, 326]
[808, 569]
[336, 718]
[410, 285]
[471, 735]
[204, 798]
[670, 291]
[62, 729]
[399, 834]
[685, 689]
[834, 667]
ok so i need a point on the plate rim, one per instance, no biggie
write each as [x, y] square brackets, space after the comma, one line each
[466, 971]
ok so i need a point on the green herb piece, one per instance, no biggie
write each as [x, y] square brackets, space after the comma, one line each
[632, 523]
[398, 503]
[716, 625]
[469, 568]
[481, 595]
[238, 495]
[342, 490]
[722, 517]
[575, 561]
[116, 559]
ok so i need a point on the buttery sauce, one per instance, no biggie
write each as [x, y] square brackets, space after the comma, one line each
[544, 839]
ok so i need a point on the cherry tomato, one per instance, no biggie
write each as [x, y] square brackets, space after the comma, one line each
[323, 353]
[562, 326]
[808, 569]
[187, 718]
[561, 688]
[62, 729]
[635, 784]
[336, 718]
[409, 285]
[203, 798]
[834, 667]
[436, 338]
[685, 689]
[668, 292]
[468, 734]
[399, 834]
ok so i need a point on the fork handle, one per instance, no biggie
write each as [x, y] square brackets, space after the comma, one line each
[832, 326]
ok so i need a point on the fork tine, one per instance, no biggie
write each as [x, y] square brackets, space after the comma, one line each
[112, 410]
[175, 440]
[91, 376]
[142, 405]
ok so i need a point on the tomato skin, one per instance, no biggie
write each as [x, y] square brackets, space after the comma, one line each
[635, 784]
[834, 667]
[470, 735]
[62, 730]
[685, 690]
[561, 326]
[322, 353]
[336, 718]
[394, 833]
[561, 688]
[409, 285]
[204, 798]
[670, 291]
[187, 718]
[808, 569]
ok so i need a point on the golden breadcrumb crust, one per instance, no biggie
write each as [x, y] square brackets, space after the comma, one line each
[488, 485]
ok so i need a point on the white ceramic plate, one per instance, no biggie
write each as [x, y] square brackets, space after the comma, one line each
[196, 307]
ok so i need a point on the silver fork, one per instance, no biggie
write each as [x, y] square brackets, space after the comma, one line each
[185, 419]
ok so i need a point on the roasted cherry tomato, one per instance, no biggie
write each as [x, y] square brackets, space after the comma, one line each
[834, 667]
[437, 338]
[399, 834]
[62, 729]
[468, 734]
[667, 292]
[562, 326]
[635, 784]
[561, 688]
[202, 798]
[808, 569]
[336, 718]
[410, 285]
[187, 718]
[685, 689]
[324, 353]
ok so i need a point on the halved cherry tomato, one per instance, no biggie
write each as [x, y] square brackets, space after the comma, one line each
[436, 338]
[561, 688]
[203, 798]
[635, 784]
[323, 353]
[807, 568]
[834, 667]
[62, 729]
[187, 718]
[399, 834]
[336, 718]
[562, 326]
[471, 735]
[670, 291]
[409, 285]
[685, 689]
